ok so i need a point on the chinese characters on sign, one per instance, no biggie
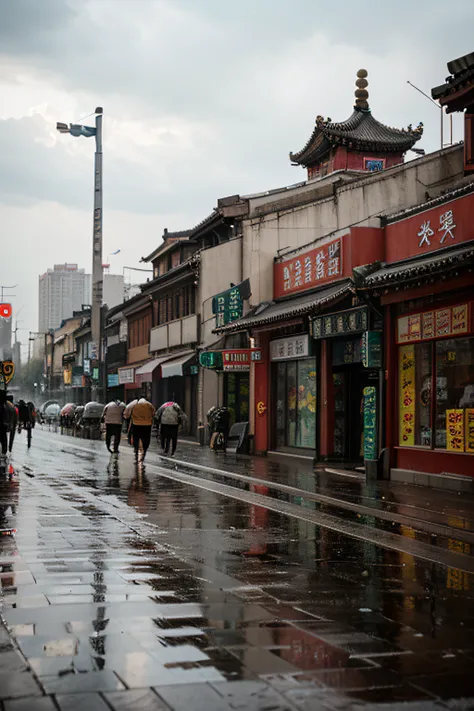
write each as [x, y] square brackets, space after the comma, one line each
[370, 423]
[444, 225]
[450, 321]
[446, 229]
[126, 376]
[371, 349]
[309, 269]
[455, 430]
[237, 360]
[407, 396]
[228, 305]
[340, 324]
[289, 348]
[469, 430]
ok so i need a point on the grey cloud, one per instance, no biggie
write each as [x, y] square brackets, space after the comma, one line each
[191, 63]
[29, 26]
[30, 172]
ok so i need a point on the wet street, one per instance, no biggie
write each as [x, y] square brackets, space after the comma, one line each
[255, 586]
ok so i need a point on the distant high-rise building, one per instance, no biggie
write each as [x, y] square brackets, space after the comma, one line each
[62, 291]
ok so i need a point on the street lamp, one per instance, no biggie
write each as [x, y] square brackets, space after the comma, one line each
[78, 130]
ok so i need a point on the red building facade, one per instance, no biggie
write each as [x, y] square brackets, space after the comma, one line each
[426, 288]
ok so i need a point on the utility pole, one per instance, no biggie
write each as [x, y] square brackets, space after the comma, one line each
[97, 266]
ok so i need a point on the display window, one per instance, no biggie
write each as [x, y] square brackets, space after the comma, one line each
[296, 403]
[436, 394]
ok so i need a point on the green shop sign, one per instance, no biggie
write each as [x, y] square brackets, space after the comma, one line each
[371, 349]
[212, 360]
[228, 306]
[370, 423]
[342, 323]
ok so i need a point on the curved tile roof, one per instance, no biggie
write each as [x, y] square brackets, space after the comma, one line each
[361, 131]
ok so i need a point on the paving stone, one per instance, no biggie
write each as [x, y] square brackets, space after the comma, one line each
[45, 703]
[11, 661]
[81, 702]
[198, 697]
[251, 696]
[17, 684]
[137, 700]
[104, 680]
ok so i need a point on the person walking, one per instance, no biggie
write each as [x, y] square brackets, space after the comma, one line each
[168, 418]
[13, 418]
[142, 420]
[113, 419]
[127, 416]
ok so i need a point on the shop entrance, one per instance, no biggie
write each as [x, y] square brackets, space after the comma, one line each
[349, 380]
[236, 396]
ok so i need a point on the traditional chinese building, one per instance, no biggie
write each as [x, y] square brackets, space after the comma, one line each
[359, 143]
[426, 289]
[457, 94]
[306, 250]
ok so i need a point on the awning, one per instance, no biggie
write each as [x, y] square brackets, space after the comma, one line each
[144, 374]
[175, 366]
[273, 311]
[432, 265]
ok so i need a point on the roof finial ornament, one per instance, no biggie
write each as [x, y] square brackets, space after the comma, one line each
[361, 93]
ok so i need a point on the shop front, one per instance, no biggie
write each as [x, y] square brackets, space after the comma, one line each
[352, 355]
[435, 363]
[427, 291]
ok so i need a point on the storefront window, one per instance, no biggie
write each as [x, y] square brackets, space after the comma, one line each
[306, 404]
[455, 394]
[291, 385]
[445, 421]
[415, 361]
[280, 404]
[295, 391]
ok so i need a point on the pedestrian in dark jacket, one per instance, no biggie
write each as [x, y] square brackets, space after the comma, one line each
[168, 418]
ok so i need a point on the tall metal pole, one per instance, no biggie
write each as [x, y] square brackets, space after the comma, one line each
[442, 136]
[97, 268]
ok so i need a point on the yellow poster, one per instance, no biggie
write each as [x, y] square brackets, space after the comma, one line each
[455, 430]
[469, 431]
[460, 319]
[407, 396]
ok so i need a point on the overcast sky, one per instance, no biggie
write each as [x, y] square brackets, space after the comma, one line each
[202, 99]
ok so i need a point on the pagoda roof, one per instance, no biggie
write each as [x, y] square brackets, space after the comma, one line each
[361, 131]
[458, 91]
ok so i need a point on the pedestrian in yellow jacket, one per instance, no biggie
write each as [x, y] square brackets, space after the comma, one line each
[142, 420]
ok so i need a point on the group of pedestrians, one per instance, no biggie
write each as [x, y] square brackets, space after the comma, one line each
[139, 417]
[14, 418]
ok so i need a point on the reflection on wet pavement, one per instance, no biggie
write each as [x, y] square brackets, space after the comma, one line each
[124, 589]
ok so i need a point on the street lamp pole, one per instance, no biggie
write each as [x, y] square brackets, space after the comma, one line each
[97, 267]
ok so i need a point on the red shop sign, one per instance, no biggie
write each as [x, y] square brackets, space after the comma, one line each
[308, 270]
[240, 359]
[444, 226]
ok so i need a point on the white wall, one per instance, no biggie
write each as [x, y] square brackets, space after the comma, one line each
[220, 266]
